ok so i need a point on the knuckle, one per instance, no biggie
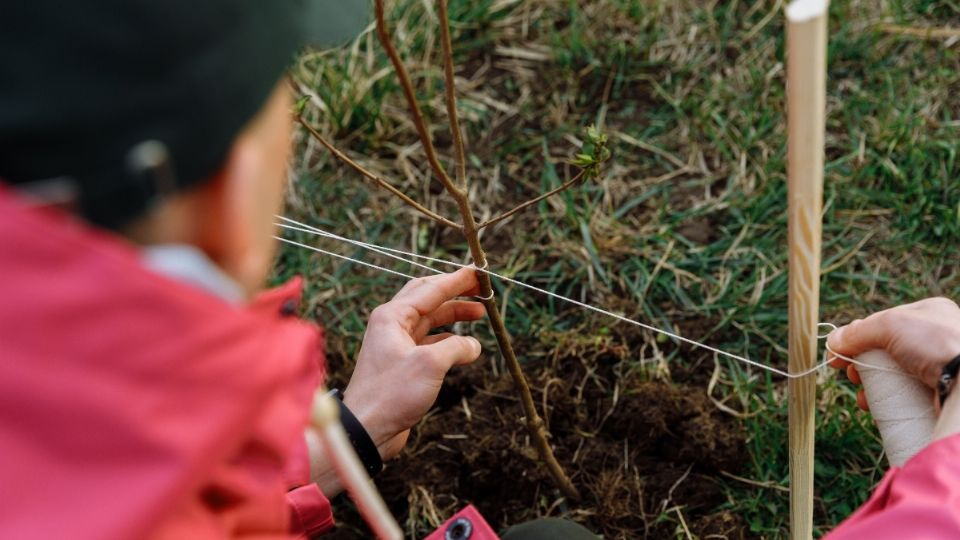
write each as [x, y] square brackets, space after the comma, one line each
[380, 314]
[473, 346]
[885, 320]
[854, 326]
[887, 315]
[462, 343]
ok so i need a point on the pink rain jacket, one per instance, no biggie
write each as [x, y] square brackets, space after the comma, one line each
[133, 406]
[921, 500]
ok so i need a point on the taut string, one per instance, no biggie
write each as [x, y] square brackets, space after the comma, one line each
[406, 257]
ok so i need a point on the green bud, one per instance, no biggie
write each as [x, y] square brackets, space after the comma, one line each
[300, 105]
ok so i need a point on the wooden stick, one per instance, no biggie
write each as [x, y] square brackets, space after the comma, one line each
[806, 109]
[325, 418]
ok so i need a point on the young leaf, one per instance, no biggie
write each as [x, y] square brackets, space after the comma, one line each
[300, 105]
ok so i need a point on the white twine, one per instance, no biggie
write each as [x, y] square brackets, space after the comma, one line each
[901, 405]
[854, 361]
[401, 255]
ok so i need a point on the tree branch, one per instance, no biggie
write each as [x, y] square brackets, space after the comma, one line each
[451, 95]
[471, 233]
[411, 97]
[380, 181]
[568, 184]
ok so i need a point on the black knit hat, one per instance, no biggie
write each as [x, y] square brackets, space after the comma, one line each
[87, 86]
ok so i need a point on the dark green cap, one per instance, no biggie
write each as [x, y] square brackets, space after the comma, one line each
[91, 91]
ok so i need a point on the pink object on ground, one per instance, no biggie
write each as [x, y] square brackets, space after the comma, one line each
[133, 406]
[920, 500]
[468, 517]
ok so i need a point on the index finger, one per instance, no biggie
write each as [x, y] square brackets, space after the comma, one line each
[429, 293]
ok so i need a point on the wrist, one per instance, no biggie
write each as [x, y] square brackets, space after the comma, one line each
[948, 378]
[363, 444]
[322, 472]
[366, 413]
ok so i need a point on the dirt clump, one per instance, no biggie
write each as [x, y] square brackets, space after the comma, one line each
[645, 455]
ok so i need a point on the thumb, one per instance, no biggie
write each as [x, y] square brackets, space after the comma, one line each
[454, 350]
[860, 336]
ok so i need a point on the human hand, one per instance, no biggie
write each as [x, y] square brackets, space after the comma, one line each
[400, 367]
[922, 337]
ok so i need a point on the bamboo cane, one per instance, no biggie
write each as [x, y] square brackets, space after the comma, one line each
[806, 109]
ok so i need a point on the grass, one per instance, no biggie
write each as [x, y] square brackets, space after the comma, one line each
[687, 228]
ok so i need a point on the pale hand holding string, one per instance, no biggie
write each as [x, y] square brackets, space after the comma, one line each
[900, 354]
[401, 367]
[922, 337]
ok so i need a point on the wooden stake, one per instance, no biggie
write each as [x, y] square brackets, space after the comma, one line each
[325, 418]
[806, 108]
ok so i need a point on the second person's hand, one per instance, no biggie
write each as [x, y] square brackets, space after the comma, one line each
[401, 366]
[922, 337]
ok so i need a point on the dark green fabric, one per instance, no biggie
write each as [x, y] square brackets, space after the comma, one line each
[82, 83]
[333, 22]
[548, 529]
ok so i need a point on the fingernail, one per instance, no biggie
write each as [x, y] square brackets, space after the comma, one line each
[476, 345]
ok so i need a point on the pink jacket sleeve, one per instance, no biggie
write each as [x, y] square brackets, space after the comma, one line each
[919, 500]
[310, 511]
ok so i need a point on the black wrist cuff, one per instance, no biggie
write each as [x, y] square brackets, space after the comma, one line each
[948, 379]
[363, 445]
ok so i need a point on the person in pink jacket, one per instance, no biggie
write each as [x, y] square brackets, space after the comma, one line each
[921, 499]
[148, 387]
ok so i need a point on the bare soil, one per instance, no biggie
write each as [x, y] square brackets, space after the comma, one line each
[640, 450]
